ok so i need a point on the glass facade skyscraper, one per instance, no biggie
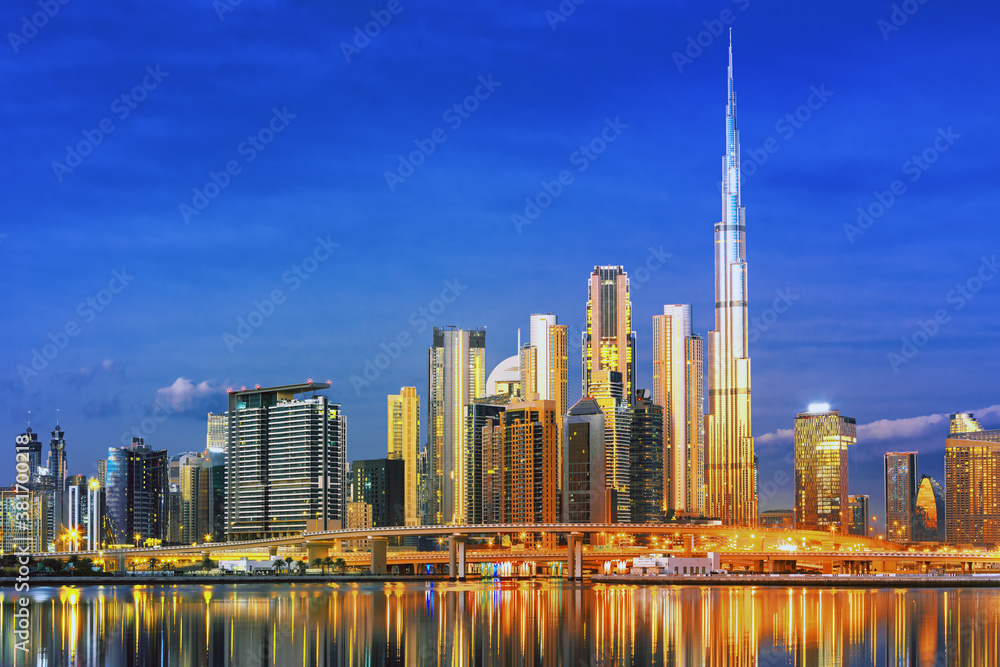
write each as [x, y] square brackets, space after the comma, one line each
[821, 442]
[609, 342]
[972, 483]
[730, 460]
[403, 433]
[136, 494]
[646, 461]
[900, 494]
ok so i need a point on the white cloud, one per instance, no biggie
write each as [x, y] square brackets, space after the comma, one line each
[184, 393]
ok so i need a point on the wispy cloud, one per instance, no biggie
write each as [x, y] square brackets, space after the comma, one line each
[184, 395]
[86, 374]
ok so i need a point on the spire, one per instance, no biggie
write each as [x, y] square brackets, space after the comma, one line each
[730, 53]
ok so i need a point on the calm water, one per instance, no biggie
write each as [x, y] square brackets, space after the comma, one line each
[503, 624]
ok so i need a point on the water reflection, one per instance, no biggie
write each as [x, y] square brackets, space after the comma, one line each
[512, 623]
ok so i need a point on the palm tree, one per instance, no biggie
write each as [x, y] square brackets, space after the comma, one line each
[318, 562]
[327, 562]
[85, 565]
[278, 563]
[288, 562]
[340, 564]
[74, 561]
[207, 563]
[152, 564]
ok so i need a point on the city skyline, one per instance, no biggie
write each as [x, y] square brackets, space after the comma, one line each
[107, 381]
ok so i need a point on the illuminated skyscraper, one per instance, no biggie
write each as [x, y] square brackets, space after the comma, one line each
[822, 437]
[484, 450]
[900, 494]
[286, 468]
[544, 364]
[857, 515]
[730, 460]
[609, 344]
[137, 487]
[929, 511]
[531, 480]
[404, 444]
[28, 448]
[678, 388]
[607, 391]
[216, 437]
[57, 479]
[972, 483]
[586, 497]
[457, 376]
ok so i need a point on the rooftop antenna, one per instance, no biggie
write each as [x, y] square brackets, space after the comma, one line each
[519, 339]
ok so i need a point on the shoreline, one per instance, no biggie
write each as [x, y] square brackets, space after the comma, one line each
[801, 581]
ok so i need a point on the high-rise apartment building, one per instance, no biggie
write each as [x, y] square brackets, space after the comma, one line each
[678, 381]
[586, 496]
[972, 483]
[929, 511]
[531, 484]
[403, 415]
[286, 466]
[607, 391]
[609, 342]
[900, 495]
[216, 436]
[136, 493]
[858, 510]
[456, 376]
[730, 460]
[76, 510]
[484, 454]
[381, 484]
[822, 437]
[646, 460]
[24, 520]
[96, 526]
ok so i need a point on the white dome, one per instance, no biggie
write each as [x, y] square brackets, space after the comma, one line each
[508, 370]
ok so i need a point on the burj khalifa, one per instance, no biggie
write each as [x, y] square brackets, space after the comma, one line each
[730, 461]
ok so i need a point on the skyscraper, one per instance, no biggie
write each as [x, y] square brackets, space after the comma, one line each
[858, 508]
[456, 376]
[646, 460]
[286, 467]
[57, 473]
[929, 511]
[136, 493]
[380, 483]
[216, 436]
[822, 437]
[678, 378]
[586, 496]
[96, 527]
[404, 444]
[76, 509]
[730, 460]
[609, 343]
[484, 453]
[531, 483]
[900, 494]
[29, 449]
[607, 391]
[972, 483]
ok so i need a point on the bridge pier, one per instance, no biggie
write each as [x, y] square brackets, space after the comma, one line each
[688, 544]
[272, 552]
[456, 558]
[574, 557]
[378, 563]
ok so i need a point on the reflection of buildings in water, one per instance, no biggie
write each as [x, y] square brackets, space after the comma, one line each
[534, 623]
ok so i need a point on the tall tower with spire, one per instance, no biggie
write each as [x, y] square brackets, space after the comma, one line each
[730, 461]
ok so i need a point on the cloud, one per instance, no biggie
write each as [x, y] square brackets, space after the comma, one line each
[87, 374]
[184, 396]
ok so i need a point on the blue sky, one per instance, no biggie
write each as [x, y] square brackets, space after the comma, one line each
[251, 115]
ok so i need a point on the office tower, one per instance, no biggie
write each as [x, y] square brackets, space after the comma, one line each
[216, 436]
[286, 468]
[381, 484]
[586, 496]
[174, 520]
[646, 460]
[423, 467]
[404, 445]
[57, 472]
[197, 503]
[136, 494]
[972, 483]
[456, 376]
[730, 461]
[929, 511]
[96, 535]
[678, 380]
[822, 437]
[217, 459]
[900, 494]
[482, 415]
[857, 515]
[102, 472]
[559, 368]
[76, 510]
[24, 520]
[531, 484]
[609, 343]
[28, 449]
[607, 391]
